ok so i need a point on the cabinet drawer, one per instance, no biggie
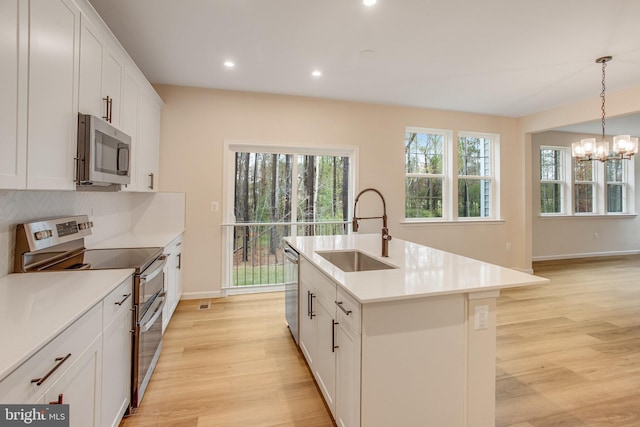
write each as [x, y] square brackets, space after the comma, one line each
[345, 303]
[120, 299]
[322, 285]
[174, 247]
[72, 342]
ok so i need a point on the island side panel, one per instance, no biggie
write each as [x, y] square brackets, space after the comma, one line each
[414, 362]
[481, 343]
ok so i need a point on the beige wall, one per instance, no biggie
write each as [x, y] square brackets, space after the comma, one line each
[196, 122]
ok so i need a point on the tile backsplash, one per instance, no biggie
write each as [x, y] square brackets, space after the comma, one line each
[112, 214]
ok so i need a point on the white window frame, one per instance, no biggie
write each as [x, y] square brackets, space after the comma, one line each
[566, 198]
[492, 177]
[450, 176]
[600, 187]
[231, 147]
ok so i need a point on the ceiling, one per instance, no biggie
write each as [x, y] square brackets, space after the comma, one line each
[500, 57]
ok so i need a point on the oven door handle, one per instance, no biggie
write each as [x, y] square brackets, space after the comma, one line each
[154, 269]
[157, 311]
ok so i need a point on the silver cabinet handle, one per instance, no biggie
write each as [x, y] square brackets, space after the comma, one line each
[339, 304]
[151, 181]
[60, 361]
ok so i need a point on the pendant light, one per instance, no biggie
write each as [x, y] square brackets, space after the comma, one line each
[623, 147]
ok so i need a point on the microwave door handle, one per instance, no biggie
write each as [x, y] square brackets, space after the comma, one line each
[125, 148]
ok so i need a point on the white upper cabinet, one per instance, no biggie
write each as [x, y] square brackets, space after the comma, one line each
[52, 119]
[101, 75]
[13, 86]
[58, 58]
[148, 150]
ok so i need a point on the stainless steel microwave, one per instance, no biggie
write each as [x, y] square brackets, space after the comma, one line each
[103, 155]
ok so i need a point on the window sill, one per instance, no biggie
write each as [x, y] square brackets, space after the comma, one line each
[469, 221]
[590, 216]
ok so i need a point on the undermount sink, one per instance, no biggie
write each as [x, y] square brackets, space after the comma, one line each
[352, 260]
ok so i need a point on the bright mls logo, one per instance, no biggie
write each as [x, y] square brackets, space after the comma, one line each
[34, 415]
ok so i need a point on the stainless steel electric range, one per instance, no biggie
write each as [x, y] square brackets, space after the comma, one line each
[58, 244]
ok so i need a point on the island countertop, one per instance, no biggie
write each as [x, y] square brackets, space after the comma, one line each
[421, 271]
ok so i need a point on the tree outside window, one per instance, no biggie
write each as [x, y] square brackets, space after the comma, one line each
[424, 173]
[474, 177]
[583, 187]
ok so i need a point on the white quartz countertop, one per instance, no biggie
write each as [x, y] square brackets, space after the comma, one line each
[36, 307]
[422, 271]
[138, 239]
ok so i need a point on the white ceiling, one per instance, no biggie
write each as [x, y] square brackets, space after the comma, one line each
[502, 57]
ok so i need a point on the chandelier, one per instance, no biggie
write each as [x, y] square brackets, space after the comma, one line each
[623, 147]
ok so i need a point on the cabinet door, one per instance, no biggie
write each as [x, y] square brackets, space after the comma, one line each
[91, 54]
[116, 368]
[53, 94]
[148, 143]
[112, 74]
[80, 388]
[129, 123]
[324, 368]
[347, 375]
[307, 323]
[13, 86]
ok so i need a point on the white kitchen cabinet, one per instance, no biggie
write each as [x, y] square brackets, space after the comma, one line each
[52, 119]
[66, 370]
[348, 340]
[330, 341]
[101, 75]
[13, 87]
[147, 153]
[116, 361]
[173, 279]
[80, 387]
[129, 122]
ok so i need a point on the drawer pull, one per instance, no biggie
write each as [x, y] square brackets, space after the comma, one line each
[125, 297]
[60, 400]
[60, 360]
[339, 304]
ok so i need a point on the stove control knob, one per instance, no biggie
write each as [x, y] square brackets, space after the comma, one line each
[43, 234]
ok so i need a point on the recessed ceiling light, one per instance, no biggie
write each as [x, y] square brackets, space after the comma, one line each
[316, 73]
[369, 2]
[229, 64]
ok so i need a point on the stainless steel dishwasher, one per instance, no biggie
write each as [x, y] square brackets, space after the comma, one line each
[291, 290]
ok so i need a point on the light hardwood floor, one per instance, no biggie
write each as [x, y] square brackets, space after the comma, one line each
[569, 352]
[568, 355]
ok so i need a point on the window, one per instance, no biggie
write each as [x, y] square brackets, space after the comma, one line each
[592, 188]
[616, 186]
[474, 176]
[425, 173]
[584, 185]
[439, 185]
[277, 191]
[551, 180]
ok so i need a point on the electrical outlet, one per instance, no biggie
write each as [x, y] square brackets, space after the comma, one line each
[481, 317]
[508, 247]
[214, 206]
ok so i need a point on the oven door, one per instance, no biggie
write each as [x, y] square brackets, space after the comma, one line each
[150, 329]
[151, 283]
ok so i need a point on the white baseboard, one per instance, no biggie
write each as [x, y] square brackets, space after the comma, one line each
[201, 295]
[584, 255]
[523, 270]
[239, 290]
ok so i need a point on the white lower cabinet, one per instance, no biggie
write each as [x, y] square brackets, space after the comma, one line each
[173, 279]
[116, 361]
[87, 366]
[80, 388]
[330, 341]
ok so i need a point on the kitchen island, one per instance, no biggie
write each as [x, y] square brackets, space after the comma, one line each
[409, 345]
